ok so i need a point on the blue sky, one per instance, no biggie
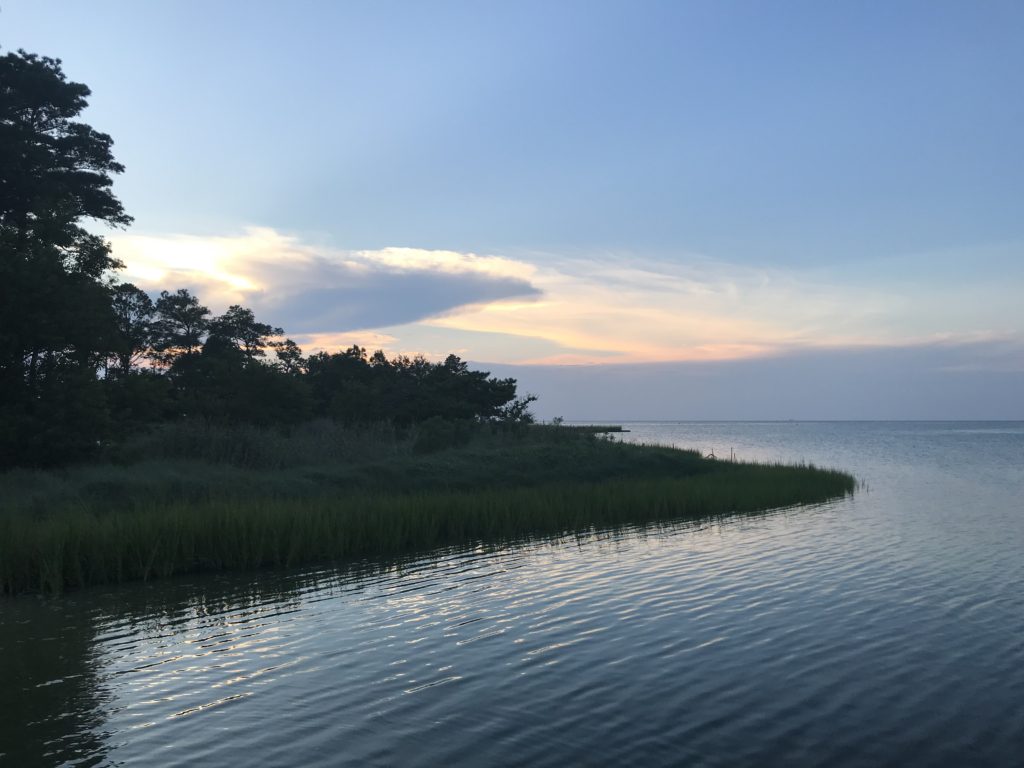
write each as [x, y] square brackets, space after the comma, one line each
[575, 183]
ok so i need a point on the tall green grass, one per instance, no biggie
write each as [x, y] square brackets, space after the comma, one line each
[198, 462]
[74, 547]
[193, 497]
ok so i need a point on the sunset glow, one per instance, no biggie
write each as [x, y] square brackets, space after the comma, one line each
[587, 311]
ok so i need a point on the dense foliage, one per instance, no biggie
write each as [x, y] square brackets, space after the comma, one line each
[85, 360]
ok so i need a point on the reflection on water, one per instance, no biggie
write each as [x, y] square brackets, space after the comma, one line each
[883, 628]
[50, 700]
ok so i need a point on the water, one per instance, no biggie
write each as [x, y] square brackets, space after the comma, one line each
[883, 629]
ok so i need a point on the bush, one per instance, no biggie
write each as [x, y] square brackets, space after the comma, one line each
[437, 434]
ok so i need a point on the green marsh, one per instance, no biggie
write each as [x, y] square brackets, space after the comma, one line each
[200, 498]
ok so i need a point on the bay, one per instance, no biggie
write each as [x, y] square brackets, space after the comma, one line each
[886, 628]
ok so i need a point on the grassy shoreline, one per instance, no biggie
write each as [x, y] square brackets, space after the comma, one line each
[165, 515]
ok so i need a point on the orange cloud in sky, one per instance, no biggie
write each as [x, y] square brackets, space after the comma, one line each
[665, 311]
[581, 310]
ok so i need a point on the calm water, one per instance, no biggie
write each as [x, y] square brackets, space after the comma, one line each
[883, 629]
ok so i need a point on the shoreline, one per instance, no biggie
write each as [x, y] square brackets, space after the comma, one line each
[492, 489]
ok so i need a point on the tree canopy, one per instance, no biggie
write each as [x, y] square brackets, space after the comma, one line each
[85, 359]
[56, 319]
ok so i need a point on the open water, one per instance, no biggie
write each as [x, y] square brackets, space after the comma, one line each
[883, 629]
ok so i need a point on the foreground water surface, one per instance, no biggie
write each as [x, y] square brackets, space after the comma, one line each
[883, 629]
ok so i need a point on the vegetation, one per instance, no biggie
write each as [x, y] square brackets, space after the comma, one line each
[265, 497]
[214, 442]
[86, 360]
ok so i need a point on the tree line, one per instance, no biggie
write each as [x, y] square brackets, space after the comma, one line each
[85, 359]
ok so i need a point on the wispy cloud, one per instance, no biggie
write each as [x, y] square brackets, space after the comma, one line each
[635, 310]
[558, 310]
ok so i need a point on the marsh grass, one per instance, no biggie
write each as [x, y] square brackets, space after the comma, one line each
[261, 448]
[170, 512]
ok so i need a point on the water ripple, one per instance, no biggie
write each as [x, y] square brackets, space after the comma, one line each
[887, 628]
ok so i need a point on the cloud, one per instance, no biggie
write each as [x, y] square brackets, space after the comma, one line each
[690, 307]
[319, 290]
[553, 309]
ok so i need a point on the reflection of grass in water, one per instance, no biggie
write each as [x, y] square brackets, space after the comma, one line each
[165, 516]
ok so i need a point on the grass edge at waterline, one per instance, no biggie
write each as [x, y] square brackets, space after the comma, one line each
[75, 547]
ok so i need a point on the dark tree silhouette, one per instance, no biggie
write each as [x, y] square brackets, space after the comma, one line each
[289, 357]
[133, 313]
[56, 323]
[56, 171]
[180, 326]
[239, 327]
[351, 387]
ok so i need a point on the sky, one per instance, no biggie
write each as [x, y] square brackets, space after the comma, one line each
[639, 209]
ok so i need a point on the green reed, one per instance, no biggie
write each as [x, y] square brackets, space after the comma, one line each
[77, 544]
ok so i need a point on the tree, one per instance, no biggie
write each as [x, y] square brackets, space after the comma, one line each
[56, 323]
[238, 326]
[518, 411]
[180, 326]
[133, 313]
[289, 357]
[56, 172]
